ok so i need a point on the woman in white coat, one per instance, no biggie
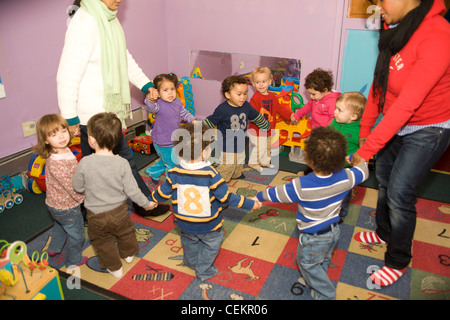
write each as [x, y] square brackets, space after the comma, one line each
[94, 75]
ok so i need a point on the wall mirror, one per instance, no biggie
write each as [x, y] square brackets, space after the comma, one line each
[214, 65]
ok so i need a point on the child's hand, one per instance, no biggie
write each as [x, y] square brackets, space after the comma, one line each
[152, 205]
[293, 120]
[257, 204]
[152, 95]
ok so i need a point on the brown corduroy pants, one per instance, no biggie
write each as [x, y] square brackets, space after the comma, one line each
[113, 236]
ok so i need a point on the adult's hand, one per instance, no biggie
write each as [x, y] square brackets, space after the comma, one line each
[152, 95]
[75, 130]
[355, 159]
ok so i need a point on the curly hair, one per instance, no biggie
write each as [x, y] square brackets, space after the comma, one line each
[172, 77]
[230, 82]
[319, 80]
[106, 129]
[326, 150]
[191, 140]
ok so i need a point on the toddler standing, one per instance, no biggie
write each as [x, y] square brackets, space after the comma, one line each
[107, 181]
[319, 196]
[61, 199]
[231, 118]
[319, 84]
[169, 113]
[349, 109]
[268, 105]
[198, 192]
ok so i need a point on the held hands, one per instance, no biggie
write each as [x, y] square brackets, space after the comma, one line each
[152, 205]
[293, 120]
[75, 130]
[152, 95]
[354, 159]
[257, 204]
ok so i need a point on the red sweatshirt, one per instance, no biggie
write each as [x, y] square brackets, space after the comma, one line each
[268, 106]
[418, 91]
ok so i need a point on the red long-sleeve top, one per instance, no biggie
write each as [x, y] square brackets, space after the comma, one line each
[418, 90]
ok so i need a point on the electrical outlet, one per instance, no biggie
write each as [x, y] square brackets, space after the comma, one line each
[29, 128]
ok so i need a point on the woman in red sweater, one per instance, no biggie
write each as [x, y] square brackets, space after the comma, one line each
[411, 89]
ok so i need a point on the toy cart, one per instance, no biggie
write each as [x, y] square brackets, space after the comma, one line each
[9, 194]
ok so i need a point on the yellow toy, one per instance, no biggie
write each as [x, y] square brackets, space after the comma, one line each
[289, 135]
[22, 278]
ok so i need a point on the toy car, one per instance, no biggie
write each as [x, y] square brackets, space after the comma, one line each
[142, 144]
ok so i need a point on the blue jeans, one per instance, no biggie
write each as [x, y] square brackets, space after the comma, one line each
[123, 150]
[313, 258]
[400, 168]
[200, 251]
[67, 233]
[167, 161]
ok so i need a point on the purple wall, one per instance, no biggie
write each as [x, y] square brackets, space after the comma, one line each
[159, 35]
[301, 29]
[31, 40]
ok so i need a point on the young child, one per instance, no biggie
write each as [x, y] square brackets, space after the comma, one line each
[62, 201]
[347, 115]
[107, 181]
[231, 118]
[319, 196]
[319, 84]
[198, 192]
[169, 113]
[267, 104]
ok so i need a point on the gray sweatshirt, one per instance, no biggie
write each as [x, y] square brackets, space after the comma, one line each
[106, 181]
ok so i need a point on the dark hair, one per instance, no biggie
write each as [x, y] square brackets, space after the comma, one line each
[172, 77]
[106, 129]
[319, 80]
[325, 150]
[194, 141]
[230, 82]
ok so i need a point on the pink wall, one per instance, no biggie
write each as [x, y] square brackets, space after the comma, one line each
[159, 36]
[31, 40]
[302, 29]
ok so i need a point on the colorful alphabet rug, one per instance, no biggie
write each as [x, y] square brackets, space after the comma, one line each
[258, 255]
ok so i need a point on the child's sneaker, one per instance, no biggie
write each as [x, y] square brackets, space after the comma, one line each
[117, 273]
[85, 259]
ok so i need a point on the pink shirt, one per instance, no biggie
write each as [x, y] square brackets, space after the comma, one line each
[322, 110]
[59, 170]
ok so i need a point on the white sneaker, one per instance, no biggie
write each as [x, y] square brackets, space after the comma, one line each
[129, 259]
[256, 167]
[117, 273]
